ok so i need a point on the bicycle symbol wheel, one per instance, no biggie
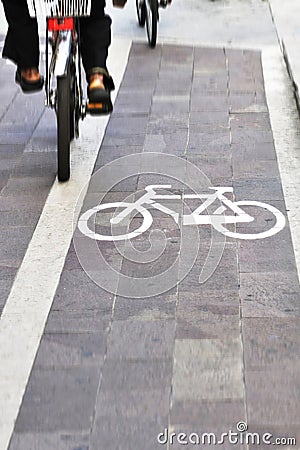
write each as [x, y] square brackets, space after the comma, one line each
[278, 226]
[87, 231]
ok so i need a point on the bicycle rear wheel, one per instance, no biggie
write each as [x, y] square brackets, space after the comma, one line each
[151, 21]
[65, 124]
[141, 12]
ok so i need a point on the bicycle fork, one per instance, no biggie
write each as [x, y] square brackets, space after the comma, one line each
[62, 38]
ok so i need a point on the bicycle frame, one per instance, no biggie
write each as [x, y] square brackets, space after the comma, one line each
[195, 218]
[64, 36]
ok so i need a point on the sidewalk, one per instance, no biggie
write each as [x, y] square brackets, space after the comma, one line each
[113, 372]
[287, 24]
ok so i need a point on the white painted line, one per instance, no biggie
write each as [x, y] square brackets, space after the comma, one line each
[285, 126]
[24, 316]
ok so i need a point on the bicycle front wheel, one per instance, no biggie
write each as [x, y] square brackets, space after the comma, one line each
[276, 220]
[151, 21]
[141, 12]
[65, 130]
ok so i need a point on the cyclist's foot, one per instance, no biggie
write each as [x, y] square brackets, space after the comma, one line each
[164, 3]
[29, 80]
[119, 3]
[100, 85]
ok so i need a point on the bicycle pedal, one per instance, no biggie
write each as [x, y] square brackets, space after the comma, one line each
[98, 109]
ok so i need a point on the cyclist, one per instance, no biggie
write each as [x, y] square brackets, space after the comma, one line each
[22, 47]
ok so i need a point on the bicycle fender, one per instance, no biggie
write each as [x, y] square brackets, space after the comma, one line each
[62, 54]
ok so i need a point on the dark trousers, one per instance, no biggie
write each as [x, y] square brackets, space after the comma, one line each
[22, 40]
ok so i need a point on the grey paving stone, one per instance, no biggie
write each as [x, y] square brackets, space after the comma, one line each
[19, 218]
[89, 321]
[151, 405]
[77, 292]
[210, 103]
[107, 155]
[134, 433]
[14, 242]
[207, 416]
[165, 103]
[208, 148]
[271, 343]
[272, 254]
[214, 167]
[11, 203]
[251, 135]
[153, 308]
[198, 321]
[212, 119]
[24, 112]
[66, 350]
[118, 127]
[172, 53]
[26, 185]
[141, 340]
[246, 152]
[208, 370]
[174, 143]
[137, 374]
[9, 155]
[223, 279]
[255, 169]
[163, 124]
[256, 120]
[264, 190]
[208, 298]
[126, 103]
[59, 400]
[5, 287]
[12, 136]
[263, 402]
[36, 165]
[49, 441]
[270, 294]
[210, 83]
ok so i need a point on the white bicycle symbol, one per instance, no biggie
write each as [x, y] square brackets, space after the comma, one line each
[217, 219]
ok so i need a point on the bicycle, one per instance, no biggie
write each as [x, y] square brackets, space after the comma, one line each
[217, 219]
[148, 13]
[63, 86]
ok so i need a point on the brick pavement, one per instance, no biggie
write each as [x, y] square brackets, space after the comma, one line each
[112, 372]
[25, 178]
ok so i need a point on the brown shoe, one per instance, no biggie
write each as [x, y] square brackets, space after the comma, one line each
[29, 79]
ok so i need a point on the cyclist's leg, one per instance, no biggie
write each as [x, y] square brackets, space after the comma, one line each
[95, 41]
[22, 44]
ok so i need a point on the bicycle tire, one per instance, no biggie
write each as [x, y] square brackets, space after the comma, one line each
[151, 21]
[141, 12]
[73, 104]
[84, 228]
[280, 222]
[64, 111]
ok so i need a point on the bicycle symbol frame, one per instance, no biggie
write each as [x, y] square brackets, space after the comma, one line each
[217, 219]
